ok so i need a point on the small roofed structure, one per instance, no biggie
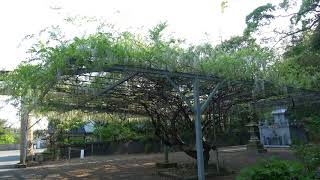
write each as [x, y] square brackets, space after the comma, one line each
[279, 131]
[84, 133]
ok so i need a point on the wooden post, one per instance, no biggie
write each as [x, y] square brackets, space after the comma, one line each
[24, 118]
[166, 154]
[69, 153]
[22, 137]
[92, 149]
[29, 139]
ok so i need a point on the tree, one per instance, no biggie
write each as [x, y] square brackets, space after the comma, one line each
[298, 66]
[305, 19]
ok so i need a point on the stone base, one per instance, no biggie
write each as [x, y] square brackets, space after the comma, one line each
[166, 165]
[256, 146]
[264, 150]
[20, 165]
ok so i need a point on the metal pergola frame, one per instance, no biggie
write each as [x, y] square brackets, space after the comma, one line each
[174, 79]
[108, 95]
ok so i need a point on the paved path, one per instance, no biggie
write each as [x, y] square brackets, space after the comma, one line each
[131, 167]
[9, 158]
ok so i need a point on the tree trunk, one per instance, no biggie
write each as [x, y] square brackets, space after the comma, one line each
[206, 155]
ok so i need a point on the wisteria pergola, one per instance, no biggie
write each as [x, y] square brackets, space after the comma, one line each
[122, 72]
[142, 91]
[132, 90]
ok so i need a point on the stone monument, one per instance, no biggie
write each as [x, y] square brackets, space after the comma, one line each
[254, 142]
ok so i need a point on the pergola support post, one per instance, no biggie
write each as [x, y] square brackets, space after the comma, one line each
[199, 145]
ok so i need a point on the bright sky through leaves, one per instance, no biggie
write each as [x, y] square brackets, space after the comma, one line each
[193, 20]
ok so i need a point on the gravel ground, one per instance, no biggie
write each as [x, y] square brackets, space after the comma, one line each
[131, 167]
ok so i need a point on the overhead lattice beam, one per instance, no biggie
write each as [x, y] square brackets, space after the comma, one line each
[175, 86]
[151, 71]
[206, 103]
[112, 86]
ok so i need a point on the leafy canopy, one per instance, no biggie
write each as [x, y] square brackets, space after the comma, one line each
[239, 58]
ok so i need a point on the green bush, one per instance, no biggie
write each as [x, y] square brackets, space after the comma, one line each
[124, 131]
[309, 155]
[116, 131]
[76, 142]
[6, 137]
[6, 134]
[313, 125]
[274, 169]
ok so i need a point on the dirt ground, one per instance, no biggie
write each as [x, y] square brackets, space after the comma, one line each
[131, 167]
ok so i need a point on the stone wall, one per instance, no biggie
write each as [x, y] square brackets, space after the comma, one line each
[6, 147]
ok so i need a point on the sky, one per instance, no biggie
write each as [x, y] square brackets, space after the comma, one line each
[193, 20]
[187, 19]
[10, 113]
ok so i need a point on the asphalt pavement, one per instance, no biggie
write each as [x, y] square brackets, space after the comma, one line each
[9, 158]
